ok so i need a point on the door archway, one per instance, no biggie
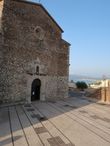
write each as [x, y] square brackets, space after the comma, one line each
[35, 90]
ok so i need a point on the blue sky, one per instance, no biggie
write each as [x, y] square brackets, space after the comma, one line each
[86, 25]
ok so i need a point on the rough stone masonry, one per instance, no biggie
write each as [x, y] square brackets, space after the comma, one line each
[34, 59]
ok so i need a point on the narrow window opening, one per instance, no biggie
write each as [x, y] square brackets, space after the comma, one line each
[37, 70]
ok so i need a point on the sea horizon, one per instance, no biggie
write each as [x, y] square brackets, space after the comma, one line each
[87, 79]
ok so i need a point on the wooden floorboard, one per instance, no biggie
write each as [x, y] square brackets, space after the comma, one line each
[88, 123]
[51, 128]
[37, 125]
[17, 131]
[5, 131]
[68, 122]
[91, 110]
[71, 128]
[30, 133]
[87, 114]
[49, 124]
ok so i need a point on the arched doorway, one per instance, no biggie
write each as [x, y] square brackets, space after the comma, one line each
[35, 90]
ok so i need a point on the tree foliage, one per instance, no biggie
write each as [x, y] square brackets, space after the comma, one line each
[81, 85]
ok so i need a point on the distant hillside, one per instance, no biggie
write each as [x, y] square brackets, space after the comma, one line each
[86, 79]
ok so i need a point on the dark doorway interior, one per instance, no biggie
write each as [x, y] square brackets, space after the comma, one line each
[35, 90]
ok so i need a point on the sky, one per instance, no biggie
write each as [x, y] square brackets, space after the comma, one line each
[86, 25]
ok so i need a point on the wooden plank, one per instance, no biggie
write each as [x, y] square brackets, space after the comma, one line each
[95, 111]
[88, 113]
[72, 129]
[87, 122]
[5, 131]
[17, 132]
[52, 129]
[30, 133]
[39, 128]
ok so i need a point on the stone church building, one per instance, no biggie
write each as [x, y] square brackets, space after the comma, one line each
[34, 59]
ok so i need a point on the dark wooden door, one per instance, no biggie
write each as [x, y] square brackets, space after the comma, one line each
[35, 90]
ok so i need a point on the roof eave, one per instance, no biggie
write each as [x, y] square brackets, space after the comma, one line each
[66, 42]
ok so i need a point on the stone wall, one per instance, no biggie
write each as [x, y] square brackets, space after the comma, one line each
[23, 49]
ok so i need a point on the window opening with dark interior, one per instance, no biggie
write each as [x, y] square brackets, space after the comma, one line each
[37, 70]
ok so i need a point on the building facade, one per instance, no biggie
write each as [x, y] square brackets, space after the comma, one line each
[34, 59]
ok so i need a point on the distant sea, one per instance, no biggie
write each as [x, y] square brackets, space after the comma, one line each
[86, 79]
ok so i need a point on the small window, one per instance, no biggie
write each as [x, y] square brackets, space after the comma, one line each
[37, 70]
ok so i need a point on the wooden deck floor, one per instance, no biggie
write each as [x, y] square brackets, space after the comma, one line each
[70, 122]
